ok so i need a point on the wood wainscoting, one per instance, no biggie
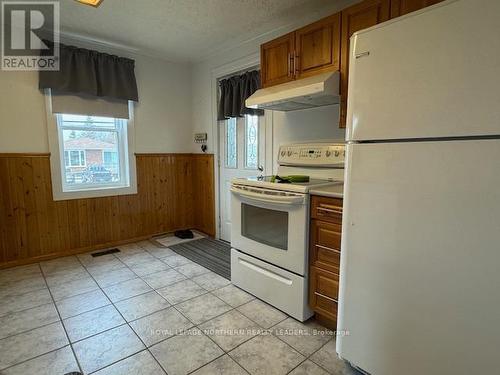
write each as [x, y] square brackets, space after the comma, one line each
[175, 191]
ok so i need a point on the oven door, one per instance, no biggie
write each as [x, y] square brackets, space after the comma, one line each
[271, 225]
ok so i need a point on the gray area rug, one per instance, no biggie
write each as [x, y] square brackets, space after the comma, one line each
[209, 253]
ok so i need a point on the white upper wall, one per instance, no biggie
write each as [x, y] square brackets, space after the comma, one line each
[175, 101]
[163, 116]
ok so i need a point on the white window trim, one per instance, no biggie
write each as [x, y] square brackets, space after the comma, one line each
[91, 192]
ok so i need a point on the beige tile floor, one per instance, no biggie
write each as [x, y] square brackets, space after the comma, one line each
[148, 311]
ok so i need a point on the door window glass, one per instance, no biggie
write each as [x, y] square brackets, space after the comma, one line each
[251, 142]
[231, 141]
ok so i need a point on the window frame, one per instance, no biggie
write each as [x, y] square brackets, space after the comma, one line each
[60, 190]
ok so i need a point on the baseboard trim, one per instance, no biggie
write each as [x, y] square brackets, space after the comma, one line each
[22, 262]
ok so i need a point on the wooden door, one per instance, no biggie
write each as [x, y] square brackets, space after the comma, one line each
[317, 47]
[357, 17]
[276, 60]
[402, 7]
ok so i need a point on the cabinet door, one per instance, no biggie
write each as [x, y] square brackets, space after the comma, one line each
[401, 7]
[317, 47]
[276, 60]
[357, 17]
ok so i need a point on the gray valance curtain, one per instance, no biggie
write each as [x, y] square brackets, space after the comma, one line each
[89, 72]
[233, 93]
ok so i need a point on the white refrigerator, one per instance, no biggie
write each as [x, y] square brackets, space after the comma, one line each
[420, 264]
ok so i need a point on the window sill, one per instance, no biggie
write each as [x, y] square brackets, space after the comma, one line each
[94, 193]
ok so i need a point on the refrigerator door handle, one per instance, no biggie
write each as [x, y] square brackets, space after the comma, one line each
[362, 54]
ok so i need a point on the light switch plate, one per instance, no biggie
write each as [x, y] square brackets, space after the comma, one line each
[200, 137]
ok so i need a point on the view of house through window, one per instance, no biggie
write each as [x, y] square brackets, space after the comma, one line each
[93, 150]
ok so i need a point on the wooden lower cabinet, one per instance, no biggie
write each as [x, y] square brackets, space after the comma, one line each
[324, 258]
[323, 293]
[325, 246]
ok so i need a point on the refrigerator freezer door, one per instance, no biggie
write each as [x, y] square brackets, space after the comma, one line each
[420, 279]
[432, 74]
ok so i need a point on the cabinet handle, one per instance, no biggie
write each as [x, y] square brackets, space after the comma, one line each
[289, 64]
[326, 297]
[295, 68]
[328, 248]
[330, 210]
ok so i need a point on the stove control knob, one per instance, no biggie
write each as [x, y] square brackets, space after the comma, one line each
[328, 153]
[337, 153]
[283, 152]
[289, 152]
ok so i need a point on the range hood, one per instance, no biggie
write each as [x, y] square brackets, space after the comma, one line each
[315, 91]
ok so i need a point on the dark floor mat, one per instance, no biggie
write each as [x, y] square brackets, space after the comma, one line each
[212, 254]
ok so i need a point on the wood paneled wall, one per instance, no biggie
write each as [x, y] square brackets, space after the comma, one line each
[175, 191]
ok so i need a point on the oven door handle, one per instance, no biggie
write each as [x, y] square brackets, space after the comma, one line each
[275, 199]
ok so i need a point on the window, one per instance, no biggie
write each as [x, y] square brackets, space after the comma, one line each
[231, 143]
[74, 158]
[94, 152]
[91, 142]
[251, 142]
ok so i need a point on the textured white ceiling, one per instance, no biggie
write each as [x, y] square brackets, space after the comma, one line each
[185, 30]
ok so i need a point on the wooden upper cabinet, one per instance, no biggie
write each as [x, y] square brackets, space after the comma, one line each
[317, 47]
[276, 60]
[357, 17]
[402, 7]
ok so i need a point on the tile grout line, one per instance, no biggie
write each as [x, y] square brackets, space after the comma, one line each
[61, 321]
[197, 326]
[146, 348]
[32, 329]
[194, 324]
[126, 323]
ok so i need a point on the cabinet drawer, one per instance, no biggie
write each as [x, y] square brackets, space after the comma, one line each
[325, 283]
[328, 209]
[323, 292]
[325, 245]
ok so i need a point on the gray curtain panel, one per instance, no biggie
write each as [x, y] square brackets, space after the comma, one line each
[89, 72]
[233, 93]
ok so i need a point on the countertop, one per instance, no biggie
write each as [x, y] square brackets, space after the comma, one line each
[334, 191]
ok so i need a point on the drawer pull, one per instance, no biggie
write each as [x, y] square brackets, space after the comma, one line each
[328, 248]
[326, 297]
[330, 210]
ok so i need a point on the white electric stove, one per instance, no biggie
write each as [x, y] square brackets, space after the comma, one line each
[270, 227]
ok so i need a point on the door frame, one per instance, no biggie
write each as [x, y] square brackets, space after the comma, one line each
[217, 73]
